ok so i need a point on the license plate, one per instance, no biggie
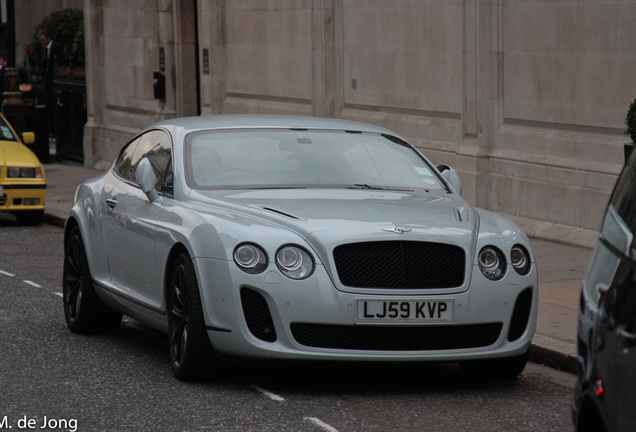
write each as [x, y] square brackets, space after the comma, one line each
[404, 311]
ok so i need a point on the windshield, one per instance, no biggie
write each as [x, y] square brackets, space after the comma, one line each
[245, 159]
[6, 134]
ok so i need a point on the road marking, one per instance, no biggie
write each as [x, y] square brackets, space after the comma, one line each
[28, 282]
[6, 273]
[321, 424]
[59, 294]
[270, 395]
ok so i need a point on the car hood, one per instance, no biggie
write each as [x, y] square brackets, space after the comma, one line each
[16, 154]
[328, 217]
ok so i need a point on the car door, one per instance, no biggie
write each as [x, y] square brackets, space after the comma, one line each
[129, 219]
[618, 236]
[623, 340]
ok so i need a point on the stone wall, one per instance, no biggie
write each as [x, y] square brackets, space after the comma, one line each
[526, 99]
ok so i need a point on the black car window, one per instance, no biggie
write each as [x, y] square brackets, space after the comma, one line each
[6, 134]
[125, 167]
[624, 195]
[156, 146]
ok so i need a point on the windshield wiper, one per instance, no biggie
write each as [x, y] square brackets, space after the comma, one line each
[366, 186]
[268, 187]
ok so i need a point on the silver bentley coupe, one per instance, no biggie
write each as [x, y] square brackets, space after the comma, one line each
[288, 237]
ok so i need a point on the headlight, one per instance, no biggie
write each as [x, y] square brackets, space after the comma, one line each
[250, 258]
[294, 262]
[15, 172]
[492, 263]
[520, 259]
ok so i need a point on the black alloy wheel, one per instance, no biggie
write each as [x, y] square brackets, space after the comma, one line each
[191, 352]
[84, 311]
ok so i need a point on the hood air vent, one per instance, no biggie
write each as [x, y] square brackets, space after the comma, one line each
[282, 213]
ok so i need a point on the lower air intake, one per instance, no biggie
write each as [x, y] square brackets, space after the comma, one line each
[520, 315]
[396, 338]
[257, 315]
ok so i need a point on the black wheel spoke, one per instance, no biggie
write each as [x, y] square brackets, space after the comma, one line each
[83, 310]
[190, 348]
[179, 340]
[74, 277]
[179, 314]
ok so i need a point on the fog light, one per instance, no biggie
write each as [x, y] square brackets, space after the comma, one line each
[31, 201]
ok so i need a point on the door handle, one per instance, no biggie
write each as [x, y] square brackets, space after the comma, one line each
[111, 202]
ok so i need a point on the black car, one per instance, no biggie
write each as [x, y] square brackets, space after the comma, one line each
[605, 392]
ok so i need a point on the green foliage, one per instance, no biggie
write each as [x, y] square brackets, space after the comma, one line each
[630, 121]
[67, 28]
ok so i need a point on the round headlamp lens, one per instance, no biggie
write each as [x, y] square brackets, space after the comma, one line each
[488, 259]
[492, 263]
[247, 256]
[250, 258]
[520, 259]
[294, 262]
[290, 258]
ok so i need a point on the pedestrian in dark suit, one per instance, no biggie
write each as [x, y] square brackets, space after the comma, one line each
[51, 56]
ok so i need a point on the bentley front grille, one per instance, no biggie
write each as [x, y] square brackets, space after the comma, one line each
[396, 338]
[400, 264]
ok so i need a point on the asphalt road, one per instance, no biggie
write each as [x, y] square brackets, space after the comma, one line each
[123, 382]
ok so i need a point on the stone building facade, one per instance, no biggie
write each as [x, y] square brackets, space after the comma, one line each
[526, 99]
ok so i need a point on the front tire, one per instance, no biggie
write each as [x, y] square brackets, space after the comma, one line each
[503, 368]
[84, 311]
[191, 352]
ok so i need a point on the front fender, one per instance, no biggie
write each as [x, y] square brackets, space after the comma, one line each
[85, 213]
[499, 231]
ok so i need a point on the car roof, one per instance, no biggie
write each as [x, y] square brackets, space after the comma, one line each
[251, 121]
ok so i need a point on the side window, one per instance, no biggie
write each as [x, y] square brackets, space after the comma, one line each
[156, 146]
[624, 196]
[125, 167]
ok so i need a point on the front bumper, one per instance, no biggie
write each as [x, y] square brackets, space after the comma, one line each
[317, 305]
[13, 196]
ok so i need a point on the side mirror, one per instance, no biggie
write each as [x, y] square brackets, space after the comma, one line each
[451, 176]
[28, 137]
[147, 179]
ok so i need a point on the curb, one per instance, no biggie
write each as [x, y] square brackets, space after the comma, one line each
[54, 220]
[553, 359]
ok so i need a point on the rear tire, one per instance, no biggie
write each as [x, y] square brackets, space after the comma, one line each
[502, 368]
[191, 352]
[84, 311]
[30, 217]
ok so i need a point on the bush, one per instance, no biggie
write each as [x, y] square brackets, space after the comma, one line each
[67, 28]
[630, 122]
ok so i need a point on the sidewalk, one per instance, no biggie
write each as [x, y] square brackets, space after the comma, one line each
[561, 271]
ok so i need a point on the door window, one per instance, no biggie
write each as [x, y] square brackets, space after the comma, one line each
[624, 196]
[156, 146]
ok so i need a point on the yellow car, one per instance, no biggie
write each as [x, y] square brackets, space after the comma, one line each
[22, 182]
